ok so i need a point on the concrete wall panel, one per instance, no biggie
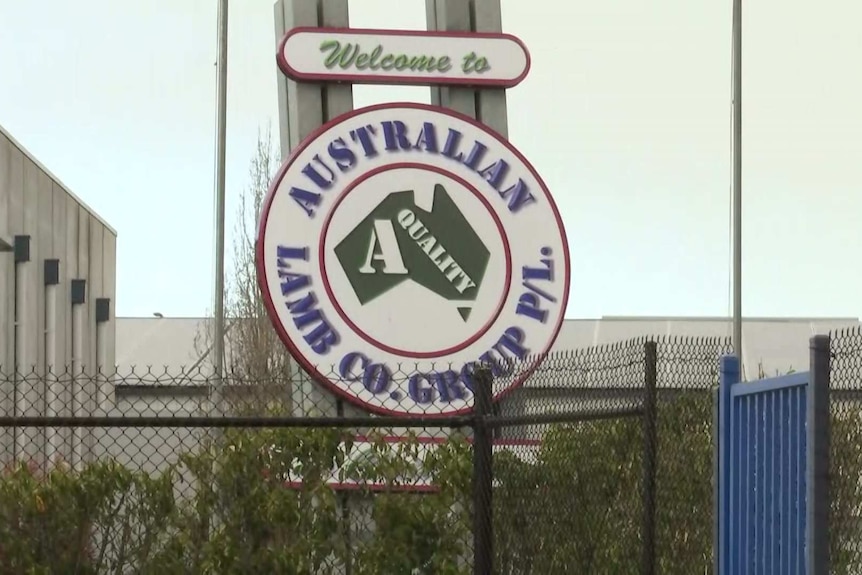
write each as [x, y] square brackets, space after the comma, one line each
[6, 310]
[83, 244]
[28, 317]
[96, 289]
[15, 180]
[59, 252]
[33, 202]
[109, 290]
[6, 261]
[43, 241]
[68, 272]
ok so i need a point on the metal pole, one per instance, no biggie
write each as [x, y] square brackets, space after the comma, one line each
[650, 447]
[737, 178]
[817, 471]
[221, 132]
[483, 557]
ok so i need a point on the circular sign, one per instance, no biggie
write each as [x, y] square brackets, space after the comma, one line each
[399, 246]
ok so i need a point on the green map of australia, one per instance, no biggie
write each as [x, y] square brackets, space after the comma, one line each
[398, 242]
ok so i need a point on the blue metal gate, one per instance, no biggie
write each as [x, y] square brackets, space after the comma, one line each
[772, 474]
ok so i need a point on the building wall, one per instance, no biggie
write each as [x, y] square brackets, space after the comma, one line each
[776, 344]
[34, 203]
[157, 375]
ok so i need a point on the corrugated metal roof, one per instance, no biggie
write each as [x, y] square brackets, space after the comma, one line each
[159, 342]
[778, 344]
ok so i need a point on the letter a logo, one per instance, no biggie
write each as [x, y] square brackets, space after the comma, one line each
[383, 236]
[399, 241]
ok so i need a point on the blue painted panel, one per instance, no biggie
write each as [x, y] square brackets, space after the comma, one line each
[762, 463]
[773, 383]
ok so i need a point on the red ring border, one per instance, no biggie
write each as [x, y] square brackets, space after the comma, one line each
[389, 349]
[260, 258]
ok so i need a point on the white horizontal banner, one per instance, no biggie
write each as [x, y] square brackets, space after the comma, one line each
[403, 57]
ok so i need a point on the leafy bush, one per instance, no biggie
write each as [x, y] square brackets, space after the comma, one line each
[574, 508]
[96, 521]
[229, 511]
[578, 509]
[846, 491]
[684, 487]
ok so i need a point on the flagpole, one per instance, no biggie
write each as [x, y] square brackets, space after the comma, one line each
[736, 191]
[221, 137]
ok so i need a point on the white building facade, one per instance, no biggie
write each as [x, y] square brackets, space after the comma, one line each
[57, 290]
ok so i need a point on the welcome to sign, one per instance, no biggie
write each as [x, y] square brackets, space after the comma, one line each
[402, 245]
[403, 57]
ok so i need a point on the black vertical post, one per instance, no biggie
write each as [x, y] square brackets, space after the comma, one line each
[817, 471]
[483, 548]
[649, 457]
[344, 501]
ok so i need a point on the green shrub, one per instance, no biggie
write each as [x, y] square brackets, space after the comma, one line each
[89, 522]
[574, 508]
[229, 510]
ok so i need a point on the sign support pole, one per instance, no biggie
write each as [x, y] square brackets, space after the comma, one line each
[737, 180]
[491, 107]
[488, 105]
[221, 137]
[302, 108]
[451, 16]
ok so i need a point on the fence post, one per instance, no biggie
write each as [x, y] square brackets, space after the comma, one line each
[649, 462]
[729, 375]
[817, 471]
[483, 558]
[716, 470]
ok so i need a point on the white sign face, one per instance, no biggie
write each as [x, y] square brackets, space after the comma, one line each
[403, 57]
[401, 245]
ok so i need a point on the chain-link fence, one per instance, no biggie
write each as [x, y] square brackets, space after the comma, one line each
[570, 497]
[152, 470]
[846, 452]
[590, 479]
[188, 473]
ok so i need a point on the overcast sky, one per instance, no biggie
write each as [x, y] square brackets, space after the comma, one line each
[625, 113]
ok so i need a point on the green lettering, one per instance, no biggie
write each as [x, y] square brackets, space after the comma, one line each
[422, 63]
[482, 65]
[337, 55]
[375, 55]
[351, 55]
[469, 62]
